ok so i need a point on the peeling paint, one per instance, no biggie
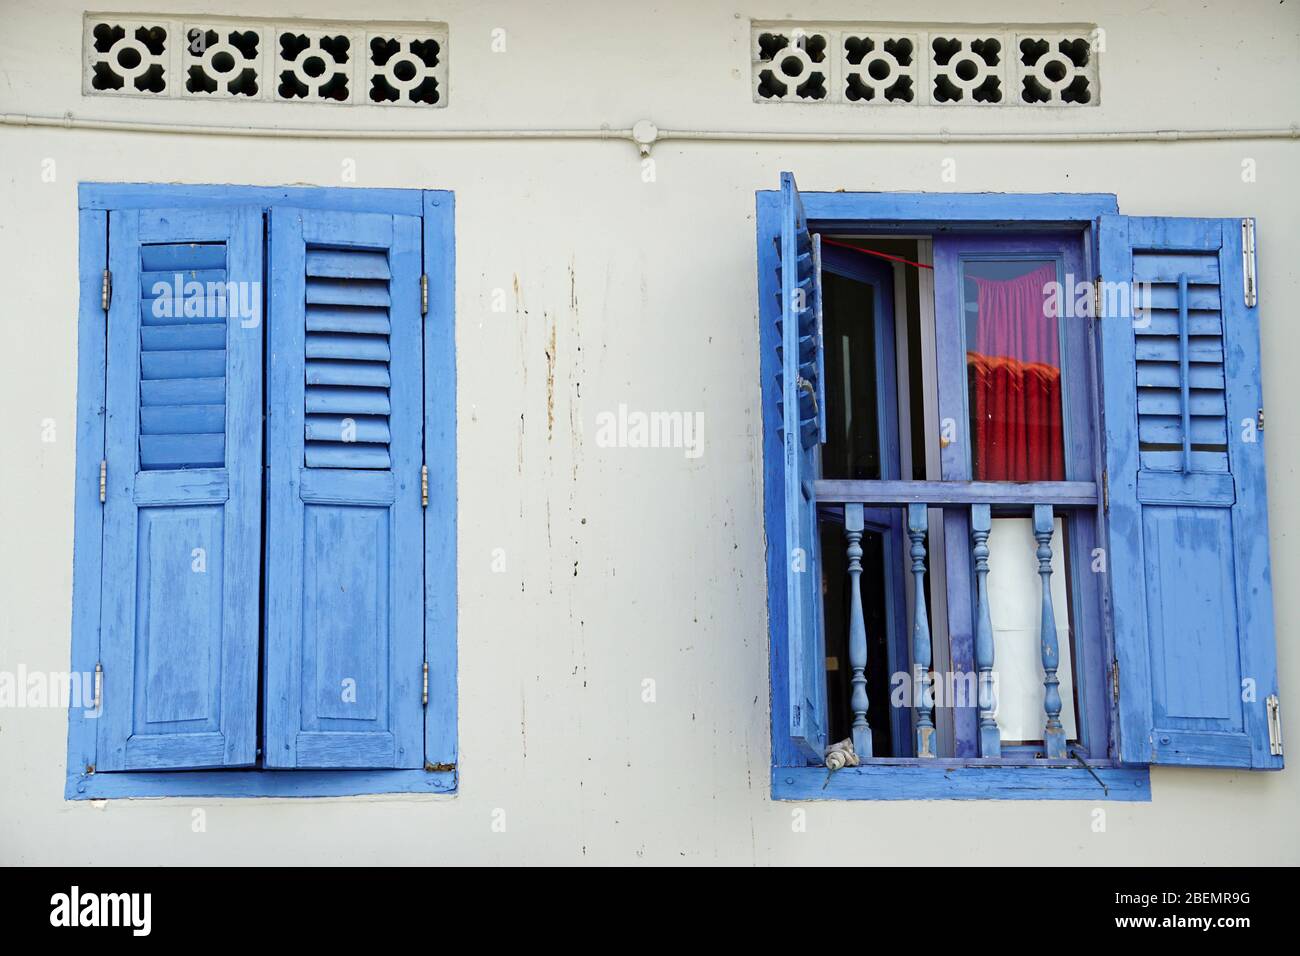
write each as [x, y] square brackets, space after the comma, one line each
[575, 390]
[550, 376]
[519, 453]
[521, 315]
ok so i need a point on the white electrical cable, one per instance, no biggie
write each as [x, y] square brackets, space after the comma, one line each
[944, 136]
[652, 134]
[69, 121]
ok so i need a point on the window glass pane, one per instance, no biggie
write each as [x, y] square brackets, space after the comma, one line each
[1013, 367]
[852, 448]
[1015, 607]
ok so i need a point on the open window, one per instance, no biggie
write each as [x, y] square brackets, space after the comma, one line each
[958, 447]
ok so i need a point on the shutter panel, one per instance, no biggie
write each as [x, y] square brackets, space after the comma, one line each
[1189, 566]
[801, 386]
[345, 633]
[182, 510]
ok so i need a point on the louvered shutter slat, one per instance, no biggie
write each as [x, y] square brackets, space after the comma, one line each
[347, 292]
[357, 401]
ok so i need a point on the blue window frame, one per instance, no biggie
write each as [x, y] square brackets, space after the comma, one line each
[1170, 537]
[249, 625]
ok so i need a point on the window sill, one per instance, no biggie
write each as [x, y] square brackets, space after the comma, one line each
[961, 780]
[257, 783]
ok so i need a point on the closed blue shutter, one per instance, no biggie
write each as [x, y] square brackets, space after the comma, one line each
[182, 508]
[1188, 527]
[345, 613]
[802, 407]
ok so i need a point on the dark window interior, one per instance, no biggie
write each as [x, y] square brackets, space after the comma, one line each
[835, 600]
[852, 448]
[852, 451]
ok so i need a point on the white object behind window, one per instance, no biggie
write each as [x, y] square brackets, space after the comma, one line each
[1015, 606]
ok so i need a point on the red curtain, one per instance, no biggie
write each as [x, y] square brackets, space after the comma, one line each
[1015, 381]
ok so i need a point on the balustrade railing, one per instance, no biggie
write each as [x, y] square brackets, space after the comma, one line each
[981, 501]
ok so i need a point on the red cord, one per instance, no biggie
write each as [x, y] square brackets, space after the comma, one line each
[872, 252]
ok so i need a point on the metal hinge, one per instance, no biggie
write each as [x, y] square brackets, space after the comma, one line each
[424, 486]
[1274, 726]
[99, 685]
[106, 290]
[438, 767]
[1096, 298]
[103, 479]
[424, 294]
[1114, 681]
[1259, 420]
[1250, 290]
[424, 696]
[1105, 490]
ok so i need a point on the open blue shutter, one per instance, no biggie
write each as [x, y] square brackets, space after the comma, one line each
[182, 503]
[345, 613]
[1188, 556]
[802, 390]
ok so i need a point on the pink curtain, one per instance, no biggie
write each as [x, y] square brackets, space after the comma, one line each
[1015, 380]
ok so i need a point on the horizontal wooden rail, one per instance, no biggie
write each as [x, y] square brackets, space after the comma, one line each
[957, 494]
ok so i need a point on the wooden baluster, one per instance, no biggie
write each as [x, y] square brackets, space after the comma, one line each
[917, 524]
[990, 737]
[1053, 733]
[861, 733]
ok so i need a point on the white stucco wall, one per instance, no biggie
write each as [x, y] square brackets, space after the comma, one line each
[622, 564]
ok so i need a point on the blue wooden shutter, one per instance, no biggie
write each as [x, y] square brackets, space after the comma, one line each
[345, 614]
[802, 390]
[182, 509]
[1188, 527]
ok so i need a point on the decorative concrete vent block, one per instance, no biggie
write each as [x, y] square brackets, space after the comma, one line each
[405, 69]
[911, 64]
[128, 57]
[220, 61]
[882, 67]
[793, 65]
[1056, 69]
[258, 60]
[315, 65]
[967, 69]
